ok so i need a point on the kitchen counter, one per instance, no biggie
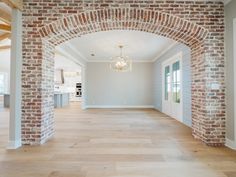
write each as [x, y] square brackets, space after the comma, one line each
[61, 99]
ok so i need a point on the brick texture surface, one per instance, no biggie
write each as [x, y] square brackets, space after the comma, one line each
[199, 25]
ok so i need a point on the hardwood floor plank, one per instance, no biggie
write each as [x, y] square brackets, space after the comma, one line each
[115, 143]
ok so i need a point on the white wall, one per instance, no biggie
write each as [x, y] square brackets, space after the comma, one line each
[107, 88]
[186, 65]
[230, 15]
[71, 77]
[5, 65]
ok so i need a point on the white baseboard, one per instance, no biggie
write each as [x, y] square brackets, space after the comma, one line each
[230, 144]
[118, 106]
[14, 144]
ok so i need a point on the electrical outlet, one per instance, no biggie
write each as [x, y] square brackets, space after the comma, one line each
[215, 86]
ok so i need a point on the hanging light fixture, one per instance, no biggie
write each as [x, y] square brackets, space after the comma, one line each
[121, 63]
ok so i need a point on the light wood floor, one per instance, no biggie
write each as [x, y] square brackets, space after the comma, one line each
[115, 143]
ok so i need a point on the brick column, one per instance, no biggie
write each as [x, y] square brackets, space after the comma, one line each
[208, 91]
[37, 90]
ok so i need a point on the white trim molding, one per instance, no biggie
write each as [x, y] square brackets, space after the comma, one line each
[66, 51]
[70, 46]
[108, 61]
[169, 107]
[15, 80]
[230, 144]
[234, 55]
[165, 51]
[119, 106]
[14, 144]
[227, 1]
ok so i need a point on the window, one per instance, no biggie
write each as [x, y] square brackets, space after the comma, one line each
[3, 83]
[176, 82]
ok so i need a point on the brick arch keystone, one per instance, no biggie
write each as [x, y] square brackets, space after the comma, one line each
[208, 109]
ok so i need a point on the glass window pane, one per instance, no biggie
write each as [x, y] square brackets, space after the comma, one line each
[176, 82]
[167, 82]
[3, 83]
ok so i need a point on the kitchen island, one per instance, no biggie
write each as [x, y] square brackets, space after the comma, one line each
[61, 99]
[6, 100]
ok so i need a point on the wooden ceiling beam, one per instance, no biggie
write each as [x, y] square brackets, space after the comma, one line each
[5, 47]
[5, 17]
[5, 28]
[18, 4]
[5, 36]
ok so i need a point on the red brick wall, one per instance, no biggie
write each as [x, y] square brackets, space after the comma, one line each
[200, 25]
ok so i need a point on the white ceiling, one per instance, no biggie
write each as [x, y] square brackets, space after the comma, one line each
[139, 46]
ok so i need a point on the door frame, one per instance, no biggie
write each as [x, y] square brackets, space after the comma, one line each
[234, 58]
[172, 59]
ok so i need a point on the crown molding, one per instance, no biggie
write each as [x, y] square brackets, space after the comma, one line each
[164, 51]
[108, 61]
[118, 106]
[69, 45]
[227, 1]
[64, 53]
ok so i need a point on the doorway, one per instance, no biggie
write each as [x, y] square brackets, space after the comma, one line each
[172, 87]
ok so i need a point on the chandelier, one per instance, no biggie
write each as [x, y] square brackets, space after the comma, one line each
[121, 63]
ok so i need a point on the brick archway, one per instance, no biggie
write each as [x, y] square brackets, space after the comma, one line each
[123, 19]
[208, 109]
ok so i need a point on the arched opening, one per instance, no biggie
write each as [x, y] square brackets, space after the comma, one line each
[206, 88]
[143, 86]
